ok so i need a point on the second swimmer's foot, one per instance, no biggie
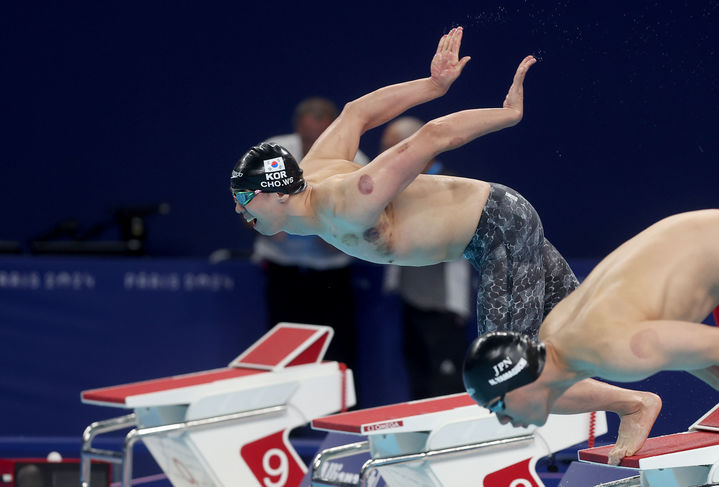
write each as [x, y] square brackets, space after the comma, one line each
[634, 427]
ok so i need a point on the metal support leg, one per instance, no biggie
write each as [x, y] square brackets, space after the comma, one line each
[89, 453]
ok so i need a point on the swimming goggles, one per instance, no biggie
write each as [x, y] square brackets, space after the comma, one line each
[496, 405]
[244, 197]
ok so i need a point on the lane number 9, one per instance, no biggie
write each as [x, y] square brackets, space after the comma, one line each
[280, 471]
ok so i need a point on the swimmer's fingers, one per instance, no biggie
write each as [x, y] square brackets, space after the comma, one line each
[515, 95]
[446, 67]
[448, 40]
[454, 40]
[457, 42]
[442, 43]
[522, 69]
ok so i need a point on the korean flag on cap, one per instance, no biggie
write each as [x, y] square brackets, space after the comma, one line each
[275, 164]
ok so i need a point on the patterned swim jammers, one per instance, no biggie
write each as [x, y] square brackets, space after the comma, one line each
[521, 275]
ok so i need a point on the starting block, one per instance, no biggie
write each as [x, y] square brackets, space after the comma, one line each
[448, 441]
[678, 460]
[228, 426]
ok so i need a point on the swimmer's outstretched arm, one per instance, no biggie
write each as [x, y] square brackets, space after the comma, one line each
[393, 170]
[459, 128]
[341, 139]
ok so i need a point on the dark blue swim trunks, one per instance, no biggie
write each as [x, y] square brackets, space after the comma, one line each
[521, 275]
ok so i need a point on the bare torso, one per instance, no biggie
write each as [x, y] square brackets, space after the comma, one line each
[667, 273]
[431, 221]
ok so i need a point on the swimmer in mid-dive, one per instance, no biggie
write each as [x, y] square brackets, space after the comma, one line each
[388, 212]
[638, 312]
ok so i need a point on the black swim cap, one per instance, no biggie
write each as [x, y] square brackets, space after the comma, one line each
[498, 362]
[270, 168]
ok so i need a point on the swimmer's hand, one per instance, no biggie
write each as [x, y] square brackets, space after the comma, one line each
[515, 97]
[446, 65]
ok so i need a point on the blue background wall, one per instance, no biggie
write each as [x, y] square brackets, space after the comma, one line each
[116, 104]
[112, 104]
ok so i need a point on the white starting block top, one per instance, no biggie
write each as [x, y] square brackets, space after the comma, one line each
[230, 426]
[285, 346]
[444, 441]
[180, 389]
[688, 458]
[422, 415]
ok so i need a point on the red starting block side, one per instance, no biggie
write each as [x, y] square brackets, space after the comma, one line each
[352, 422]
[660, 445]
[119, 394]
[708, 422]
[313, 353]
[286, 344]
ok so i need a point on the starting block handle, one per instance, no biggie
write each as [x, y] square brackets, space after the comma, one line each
[452, 451]
[375, 463]
[140, 433]
[333, 454]
[124, 458]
